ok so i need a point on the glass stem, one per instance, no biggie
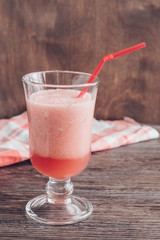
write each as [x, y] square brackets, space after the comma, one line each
[59, 191]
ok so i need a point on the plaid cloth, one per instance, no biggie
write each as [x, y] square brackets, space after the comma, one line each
[14, 137]
[112, 134]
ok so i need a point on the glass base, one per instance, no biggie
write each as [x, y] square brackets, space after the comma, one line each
[60, 210]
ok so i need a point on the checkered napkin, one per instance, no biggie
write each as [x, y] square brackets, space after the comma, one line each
[112, 134]
[14, 141]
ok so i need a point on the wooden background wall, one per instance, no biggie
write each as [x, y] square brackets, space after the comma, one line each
[40, 35]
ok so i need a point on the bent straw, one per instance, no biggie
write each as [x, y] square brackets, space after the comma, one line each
[108, 58]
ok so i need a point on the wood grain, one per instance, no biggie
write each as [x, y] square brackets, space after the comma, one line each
[75, 35]
[123, 185]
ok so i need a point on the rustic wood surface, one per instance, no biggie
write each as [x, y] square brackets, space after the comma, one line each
[75, 35]
[123, 185]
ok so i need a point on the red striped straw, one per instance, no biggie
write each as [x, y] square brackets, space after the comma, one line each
[108, 58]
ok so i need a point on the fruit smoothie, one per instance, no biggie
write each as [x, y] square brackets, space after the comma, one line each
[60, 131]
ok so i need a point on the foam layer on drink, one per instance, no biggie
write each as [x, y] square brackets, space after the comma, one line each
[60, 123]
[58, 97]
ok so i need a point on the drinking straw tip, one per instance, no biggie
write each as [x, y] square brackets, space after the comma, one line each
[144, 44]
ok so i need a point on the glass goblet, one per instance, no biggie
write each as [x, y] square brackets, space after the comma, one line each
[60, 125]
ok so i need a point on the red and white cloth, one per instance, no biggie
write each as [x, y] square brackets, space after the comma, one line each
[14, 136]
[112, 134]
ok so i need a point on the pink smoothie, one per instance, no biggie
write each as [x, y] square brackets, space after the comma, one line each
[60, 131]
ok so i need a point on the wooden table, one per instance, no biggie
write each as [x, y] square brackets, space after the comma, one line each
[123, 185]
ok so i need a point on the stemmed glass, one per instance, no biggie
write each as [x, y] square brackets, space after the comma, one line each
[60, 124]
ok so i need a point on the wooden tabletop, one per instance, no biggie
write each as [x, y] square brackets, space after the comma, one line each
[123, 185]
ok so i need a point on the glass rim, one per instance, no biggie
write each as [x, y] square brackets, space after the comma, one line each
[28, 81]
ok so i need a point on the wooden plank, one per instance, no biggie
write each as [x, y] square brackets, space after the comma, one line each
[75, 35]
